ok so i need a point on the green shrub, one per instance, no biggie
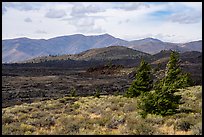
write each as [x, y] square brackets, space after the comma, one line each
[70, 124]
[102, 121]
[198, 94]
[184, 125]
[23, 117]
[73, 92]
[66, 100]
[75, 105]
[7, 119]
[97, 93]
[155, 119]
[114, 107]
[139, 127]
[121, 104]
[25, 127]
[11, 129]
[129, 107]
[115, 121]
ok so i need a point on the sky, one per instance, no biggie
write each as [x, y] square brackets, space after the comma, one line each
[168, 21]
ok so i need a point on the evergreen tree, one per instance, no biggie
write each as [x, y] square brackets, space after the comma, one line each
[175, 78]
[143, 81]
[185, 80]
[163, 101]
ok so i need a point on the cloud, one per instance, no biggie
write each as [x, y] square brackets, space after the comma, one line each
[186, 17]
[129, 6]
[55, 13]
[28, 19]
[85, 24]
[176, 12]
[25, 6]
[81, 19]
[41, 32]
[81, 10]
[124, 21]
[173, 18]
[3, 9]
[90, 30]
[184, 12]
[164, 37]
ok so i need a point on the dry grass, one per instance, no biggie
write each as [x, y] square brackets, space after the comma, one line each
[104, 115]
[170, 130]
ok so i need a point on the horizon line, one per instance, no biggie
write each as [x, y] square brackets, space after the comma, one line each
[94, 35]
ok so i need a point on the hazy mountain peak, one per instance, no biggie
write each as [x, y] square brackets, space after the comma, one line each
[103, 35]
[78, 35]
[149, 39]
[106, 34]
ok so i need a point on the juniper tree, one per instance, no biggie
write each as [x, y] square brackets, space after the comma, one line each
[174, 77]
[143, 80]
[163, 101]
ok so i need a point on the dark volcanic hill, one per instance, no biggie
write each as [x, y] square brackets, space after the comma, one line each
[21, 49]
[185, 57]
[98, 54]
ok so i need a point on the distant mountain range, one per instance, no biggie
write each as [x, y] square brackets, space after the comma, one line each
[21, 49]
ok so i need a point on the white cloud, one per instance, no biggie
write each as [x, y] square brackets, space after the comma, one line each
[26, 6]
[3, 9]
[186, 13]
[81, 10]
[28, 19]
[193, 5]
[83, 18]
[41, 32]
[85, 24]
[124, 21]
[172, 21]
[129, 6]
[186, 18]
[55, 13]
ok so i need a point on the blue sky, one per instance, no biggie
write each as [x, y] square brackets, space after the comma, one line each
[167, 21]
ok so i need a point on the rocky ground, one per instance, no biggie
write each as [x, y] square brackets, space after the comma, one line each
[30, 84]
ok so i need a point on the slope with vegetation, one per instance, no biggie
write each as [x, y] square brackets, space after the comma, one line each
[103, 115]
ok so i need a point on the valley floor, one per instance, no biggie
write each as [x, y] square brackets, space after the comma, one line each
[107, 114]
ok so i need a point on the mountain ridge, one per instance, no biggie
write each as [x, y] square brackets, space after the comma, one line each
[21, 49]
